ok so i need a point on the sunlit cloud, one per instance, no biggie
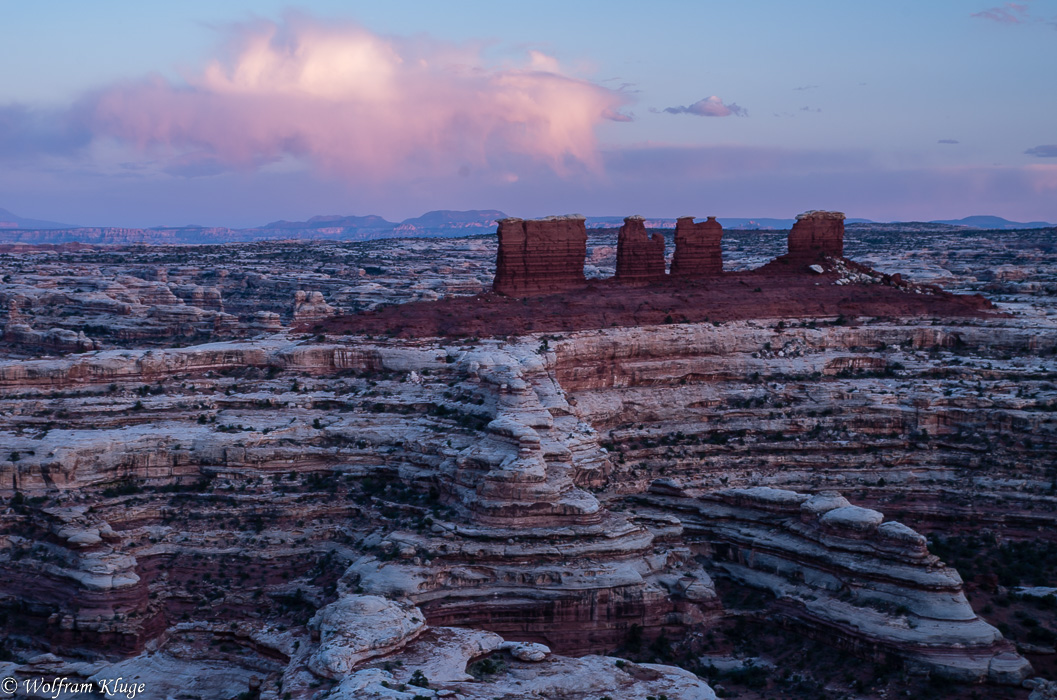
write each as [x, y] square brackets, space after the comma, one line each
[709, 107]
[358, 105]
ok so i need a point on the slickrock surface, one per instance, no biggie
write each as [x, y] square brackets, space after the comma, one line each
[540, 256]
[640, 256]
[203, 515]
[698, 248]
[75, 298]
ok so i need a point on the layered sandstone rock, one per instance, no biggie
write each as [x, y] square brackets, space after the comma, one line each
[843, 573]
[698, 251]
[817, 234]
[640, 257]
[311, 307]
[356, 628]
[408, 657]
[540, 256]
[539, 558]
[51, 340]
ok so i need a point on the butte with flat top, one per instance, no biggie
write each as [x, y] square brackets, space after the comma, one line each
[540, 285]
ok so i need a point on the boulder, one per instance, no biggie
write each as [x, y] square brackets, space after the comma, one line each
[356, 628]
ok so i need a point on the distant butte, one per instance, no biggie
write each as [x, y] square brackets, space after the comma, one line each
[540, 285]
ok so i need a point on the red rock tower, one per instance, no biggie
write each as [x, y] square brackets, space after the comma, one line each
[817, 234]
[540, 256]
[640, 257]
[697, 248]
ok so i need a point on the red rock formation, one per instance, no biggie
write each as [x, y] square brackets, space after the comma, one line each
[640, 257]
[697, 248]
[816, 234]
[540, 256]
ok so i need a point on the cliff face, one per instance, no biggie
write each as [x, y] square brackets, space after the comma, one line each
[540, 256]
[640, 257]
[698, 250]
[460, 479]
[817, 234]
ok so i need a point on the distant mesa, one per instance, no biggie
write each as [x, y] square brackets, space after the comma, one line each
[993, 223]
[455, 220]
[434, 223]
[10, 220]
[440, 224]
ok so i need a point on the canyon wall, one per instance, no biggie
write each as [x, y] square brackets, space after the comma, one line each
[697, 248]
[845, 574]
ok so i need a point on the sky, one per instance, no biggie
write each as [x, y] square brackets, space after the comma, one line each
[125, 113]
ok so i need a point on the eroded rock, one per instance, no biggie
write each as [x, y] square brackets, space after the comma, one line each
[540, 256]
[817, 234]
[356, 628]
[698, 251]
[640, 256]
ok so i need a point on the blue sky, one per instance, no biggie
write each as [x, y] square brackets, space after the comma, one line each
[131, 113]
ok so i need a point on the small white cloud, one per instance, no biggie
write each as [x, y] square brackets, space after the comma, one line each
[710, 107]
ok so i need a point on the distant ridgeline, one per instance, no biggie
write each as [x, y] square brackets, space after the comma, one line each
[434, 224]
[440, 224]
[543, 256]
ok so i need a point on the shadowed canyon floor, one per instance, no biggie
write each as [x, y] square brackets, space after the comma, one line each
[203, 490]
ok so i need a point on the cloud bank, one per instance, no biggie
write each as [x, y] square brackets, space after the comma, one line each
[357, 105]
[709, 107]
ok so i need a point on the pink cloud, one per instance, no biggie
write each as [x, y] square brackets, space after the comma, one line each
[1009, 13]
[360, 106]
[709, 107]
